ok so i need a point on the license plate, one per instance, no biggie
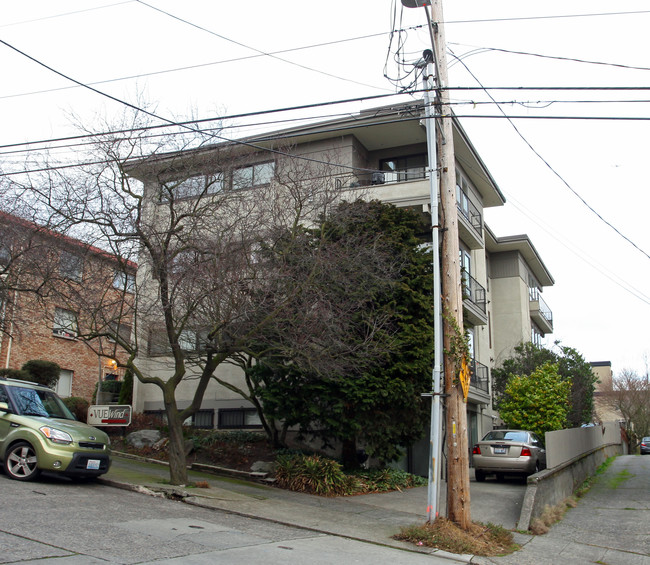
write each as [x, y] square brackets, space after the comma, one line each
[92, 464]
[499, 450]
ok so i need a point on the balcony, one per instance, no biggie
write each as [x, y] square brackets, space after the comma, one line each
[470, 221]
[540, 313]
[479, 383]
[474, 301]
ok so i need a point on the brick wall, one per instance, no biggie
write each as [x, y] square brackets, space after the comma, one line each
[32, 338]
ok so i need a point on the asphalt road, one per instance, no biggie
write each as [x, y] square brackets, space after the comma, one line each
[54, 520]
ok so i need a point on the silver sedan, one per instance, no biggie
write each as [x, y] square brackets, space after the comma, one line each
[503, 452]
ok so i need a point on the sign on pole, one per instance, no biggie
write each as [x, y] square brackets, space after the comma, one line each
[109, 415]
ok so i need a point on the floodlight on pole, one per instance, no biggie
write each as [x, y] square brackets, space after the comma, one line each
[428, 65]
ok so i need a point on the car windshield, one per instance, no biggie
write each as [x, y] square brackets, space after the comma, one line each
[33, 402]
[506, 435]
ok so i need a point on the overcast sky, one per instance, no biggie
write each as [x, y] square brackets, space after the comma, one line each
[578, 188]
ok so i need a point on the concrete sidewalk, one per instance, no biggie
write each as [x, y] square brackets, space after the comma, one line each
[377, 517]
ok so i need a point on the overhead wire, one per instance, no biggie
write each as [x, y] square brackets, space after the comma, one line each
[258, 51]
[555, 172]
[172, 122]
[64, 14]
[477, 50]
[563, 241]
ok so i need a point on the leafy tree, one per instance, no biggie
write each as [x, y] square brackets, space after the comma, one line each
[42, 372]
[379, 406]
[571, 367]
[537, 402]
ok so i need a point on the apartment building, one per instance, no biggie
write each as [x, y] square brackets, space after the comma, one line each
[40, 269]
[382, 154]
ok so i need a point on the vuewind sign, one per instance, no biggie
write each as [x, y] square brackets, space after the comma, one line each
[109, 415]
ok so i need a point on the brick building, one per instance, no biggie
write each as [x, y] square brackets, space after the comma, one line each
[49, 287]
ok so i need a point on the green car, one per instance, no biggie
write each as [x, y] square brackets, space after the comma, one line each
[38, 433]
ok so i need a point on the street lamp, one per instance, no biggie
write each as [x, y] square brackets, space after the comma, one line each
[433, 490]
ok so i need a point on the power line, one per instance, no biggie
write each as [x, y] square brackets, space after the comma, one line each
[66, 14]
[557, 174]
[556, 17]
[260, 52]
[553, 57]
[207, 120]
[172, 122]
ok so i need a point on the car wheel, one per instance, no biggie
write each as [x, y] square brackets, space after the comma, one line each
[480, 475]
[21, 462]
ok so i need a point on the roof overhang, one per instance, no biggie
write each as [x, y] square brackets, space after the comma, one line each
[524, 246]
[379, 128]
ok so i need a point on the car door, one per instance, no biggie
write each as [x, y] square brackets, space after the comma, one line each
[5, 418]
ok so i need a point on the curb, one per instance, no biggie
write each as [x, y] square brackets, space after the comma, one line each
[180, 493]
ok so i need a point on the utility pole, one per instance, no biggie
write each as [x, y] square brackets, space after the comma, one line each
[458, 495]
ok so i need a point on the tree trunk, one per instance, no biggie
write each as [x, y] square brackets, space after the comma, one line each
[176, 447]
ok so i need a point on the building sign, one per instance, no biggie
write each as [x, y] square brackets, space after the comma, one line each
[110, 415]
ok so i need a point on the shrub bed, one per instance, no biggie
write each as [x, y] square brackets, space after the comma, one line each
[319, 475]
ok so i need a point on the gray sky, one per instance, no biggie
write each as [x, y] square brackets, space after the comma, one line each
[338, 50]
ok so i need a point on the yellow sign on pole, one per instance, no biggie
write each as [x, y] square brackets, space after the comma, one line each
[465, 375]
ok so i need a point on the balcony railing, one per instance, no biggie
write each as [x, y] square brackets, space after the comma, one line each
[380, 177]
[470, 212]
[480, 376]
[544, 310]
[474, 292]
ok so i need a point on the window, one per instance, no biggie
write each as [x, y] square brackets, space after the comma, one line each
[192, 187]
[203, 419]
[237, 418]
[400, 169]
[122, 330]
[124, 281]
[253, 175]
[64, 385]
[71, 266]
[65, 323]
[187, 340]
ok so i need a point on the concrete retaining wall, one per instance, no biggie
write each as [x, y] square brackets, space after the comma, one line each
[566, 445]
[551, 486]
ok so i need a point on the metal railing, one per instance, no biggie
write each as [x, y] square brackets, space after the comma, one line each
[480, 376]
[474, 292]
[535, 296]
[471, 213]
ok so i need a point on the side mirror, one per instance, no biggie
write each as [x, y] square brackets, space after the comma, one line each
[4, 407]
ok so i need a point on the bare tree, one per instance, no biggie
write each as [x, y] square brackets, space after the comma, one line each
[213, 229]
[630, 396]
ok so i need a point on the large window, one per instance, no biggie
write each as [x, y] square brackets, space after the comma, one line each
[238, 418]
[253, 175]
[71, 266]
[65, 323]
[201, 185]
[192, 187]
[400, 169]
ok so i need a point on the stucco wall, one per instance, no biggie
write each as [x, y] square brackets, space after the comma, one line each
[565, 445]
